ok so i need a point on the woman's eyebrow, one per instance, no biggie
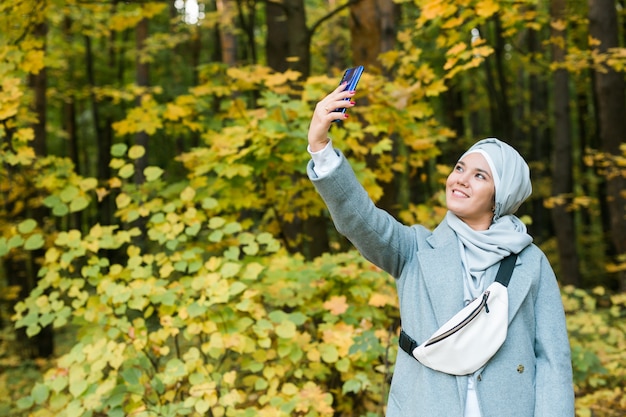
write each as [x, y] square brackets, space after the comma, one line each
[482, 171]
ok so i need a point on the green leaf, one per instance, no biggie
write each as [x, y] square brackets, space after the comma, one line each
[32, 330]
[251, 249]
[351, 385]
[196, 310]
[24, 403]
[51, 201]
[236, 288]
[216, 222]
[286, 330]
[119, 150]
[40, 393]
[202, 406]
[216, 236]
[131, 376]
[193, 229]
[329, 353]
[127, 171]
[230, 269]
[209, 203]
[69, 193]
[27, 226]
[4, 247]
[152, 173]
[343, 365]
[60, 209]
[34, 242]
[175, 368]
[78, 204]
[232, 227]
[16, 241]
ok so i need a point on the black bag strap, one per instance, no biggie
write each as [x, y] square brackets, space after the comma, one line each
[506, 269]
[408, 344]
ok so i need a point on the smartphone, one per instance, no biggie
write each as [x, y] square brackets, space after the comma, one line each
[352, 76]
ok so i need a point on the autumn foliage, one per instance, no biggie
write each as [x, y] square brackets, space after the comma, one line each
[167, 235]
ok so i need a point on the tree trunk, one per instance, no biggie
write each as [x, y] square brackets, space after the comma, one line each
[372, 32]
[500, 112]
[540, 142]
[287, 42]
[228, 41]
[142, 79]
[41, 345]
[609, 89]
[277, 41]
[562, 176]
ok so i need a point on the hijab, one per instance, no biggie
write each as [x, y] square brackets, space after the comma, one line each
[481, 249]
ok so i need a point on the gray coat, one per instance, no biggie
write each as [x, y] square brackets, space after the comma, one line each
[530, 375]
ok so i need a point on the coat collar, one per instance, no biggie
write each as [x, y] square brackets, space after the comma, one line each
[442, 272]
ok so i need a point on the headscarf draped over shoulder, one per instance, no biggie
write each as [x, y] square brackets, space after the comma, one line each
[480, 249]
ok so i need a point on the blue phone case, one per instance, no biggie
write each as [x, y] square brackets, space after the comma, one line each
[352, 76]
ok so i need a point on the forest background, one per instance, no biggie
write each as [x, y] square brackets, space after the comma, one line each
[163, 252]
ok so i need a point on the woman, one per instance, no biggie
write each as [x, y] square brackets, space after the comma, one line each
[438, 272]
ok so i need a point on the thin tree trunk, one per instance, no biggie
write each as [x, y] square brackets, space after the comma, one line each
[142, 79]
[540, 142]
[609, 89]
[41, 345]
[562, 177]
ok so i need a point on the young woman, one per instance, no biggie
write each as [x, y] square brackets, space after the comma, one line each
[439, 272]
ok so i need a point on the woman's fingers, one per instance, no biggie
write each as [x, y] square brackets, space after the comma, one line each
[335, 101]
[326, 111]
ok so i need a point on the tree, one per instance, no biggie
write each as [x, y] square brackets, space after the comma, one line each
[562, 173]
[610, 96]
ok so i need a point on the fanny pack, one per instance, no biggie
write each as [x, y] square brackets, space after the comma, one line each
[468, 340]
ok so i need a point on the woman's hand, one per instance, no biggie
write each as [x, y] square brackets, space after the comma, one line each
[325, 113]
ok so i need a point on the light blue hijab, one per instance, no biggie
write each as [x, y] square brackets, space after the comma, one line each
[481, 249]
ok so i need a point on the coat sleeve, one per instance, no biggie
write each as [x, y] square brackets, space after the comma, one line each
[377, 235]
[554, 390]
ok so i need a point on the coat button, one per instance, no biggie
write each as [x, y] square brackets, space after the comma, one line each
[479, 378]
[520, 369]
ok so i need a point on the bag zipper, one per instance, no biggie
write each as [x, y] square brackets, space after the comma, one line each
[471, 316]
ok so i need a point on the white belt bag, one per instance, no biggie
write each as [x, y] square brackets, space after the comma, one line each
[468, 340]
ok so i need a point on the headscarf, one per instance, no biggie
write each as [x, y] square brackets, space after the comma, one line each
[481, 249]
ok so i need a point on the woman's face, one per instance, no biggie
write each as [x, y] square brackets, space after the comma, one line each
[470, 191]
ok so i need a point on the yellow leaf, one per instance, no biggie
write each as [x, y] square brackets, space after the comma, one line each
[336, 305]
[33, 61]
[136, 152]
[438, 8]
[187, 194]
[340, 336]
[286, 330]
[457, 49]
[175, 112]
[25, 134]
[487, 8]
[380, 300]
[558, 25]
[122, 200]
